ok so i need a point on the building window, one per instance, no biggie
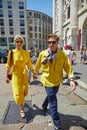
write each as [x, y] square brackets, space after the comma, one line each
[21, 14]
[30, 21]
[22, 23]
[39, 29]
[11, 46]
[35, 35]
[31, 35]
[30, 28]
[1, 22]
[11, 43]
[68, 13]
[0, 3]
[35, 28]
[40, 16]
[3, 41]
[30, 13]
[11, 31]
[11, 40]
[9, 3]
[21, 5]
[44, 18]
[9, 13]
[35, 15]
[10, 22]
[2, 30]
[39, 35]
[82, 1]
[35, 21]
[39, 21]
[22, 30]
[1, 13]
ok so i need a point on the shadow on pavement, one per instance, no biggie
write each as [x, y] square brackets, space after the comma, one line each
[36, 82]
[77, 73]
[12, 113]
[67, 121]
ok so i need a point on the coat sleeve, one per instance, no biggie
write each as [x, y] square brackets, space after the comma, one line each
[38, 63]
[8, 65]
[29, 63]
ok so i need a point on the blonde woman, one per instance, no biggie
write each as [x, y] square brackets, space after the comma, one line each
[19, 74]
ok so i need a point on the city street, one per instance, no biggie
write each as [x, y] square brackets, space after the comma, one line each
[72, 106]
[80, 69]
[51, 26]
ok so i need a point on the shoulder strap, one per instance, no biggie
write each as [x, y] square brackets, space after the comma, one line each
[11, 57]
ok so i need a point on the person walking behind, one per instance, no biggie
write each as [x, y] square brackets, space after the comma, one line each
[19, 74]
[28, 71]
[52, 61]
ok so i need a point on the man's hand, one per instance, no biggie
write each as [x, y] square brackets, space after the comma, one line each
[73, 85]
[35, 76]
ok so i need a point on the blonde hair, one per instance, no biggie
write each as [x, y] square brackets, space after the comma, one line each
[19, 37]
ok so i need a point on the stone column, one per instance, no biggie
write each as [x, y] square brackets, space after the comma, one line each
[74, 22]
[54, 16]
[60, 21]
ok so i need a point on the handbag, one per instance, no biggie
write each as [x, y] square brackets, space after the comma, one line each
[9, 75]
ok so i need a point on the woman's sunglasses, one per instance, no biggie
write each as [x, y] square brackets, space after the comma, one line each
[19, 41]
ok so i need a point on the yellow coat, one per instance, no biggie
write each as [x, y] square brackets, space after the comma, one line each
[52, 73]
[19, 74]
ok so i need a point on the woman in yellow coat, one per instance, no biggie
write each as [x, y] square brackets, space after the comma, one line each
[19, 74]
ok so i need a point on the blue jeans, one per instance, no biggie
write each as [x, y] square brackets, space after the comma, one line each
[52, 100]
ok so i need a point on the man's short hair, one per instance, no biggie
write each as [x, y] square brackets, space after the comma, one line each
[54, 36]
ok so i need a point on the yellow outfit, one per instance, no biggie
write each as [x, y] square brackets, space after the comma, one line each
[52, 73]
[19, 74]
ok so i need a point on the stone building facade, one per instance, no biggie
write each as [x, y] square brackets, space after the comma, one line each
[12, 22]
[15, 19]
[70, 22]
[39, 25]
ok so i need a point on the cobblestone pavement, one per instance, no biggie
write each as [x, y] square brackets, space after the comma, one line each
[72, 106]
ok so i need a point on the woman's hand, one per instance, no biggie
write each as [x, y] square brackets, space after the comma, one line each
[7, 80]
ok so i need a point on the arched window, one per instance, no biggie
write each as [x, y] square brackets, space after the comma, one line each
[68, 13]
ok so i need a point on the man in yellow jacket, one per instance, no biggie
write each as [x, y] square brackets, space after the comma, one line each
[52, 62]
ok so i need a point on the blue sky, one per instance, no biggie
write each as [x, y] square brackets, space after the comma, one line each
[44, 6]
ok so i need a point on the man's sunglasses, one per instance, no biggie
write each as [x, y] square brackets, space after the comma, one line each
[53, 42]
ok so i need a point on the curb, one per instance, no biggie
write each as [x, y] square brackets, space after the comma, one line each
[82, 84]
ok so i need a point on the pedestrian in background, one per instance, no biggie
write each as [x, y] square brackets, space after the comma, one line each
[72, 56]
[52, 61]
[28, 71]
[19, 74]
[83, 54]
[35, 56]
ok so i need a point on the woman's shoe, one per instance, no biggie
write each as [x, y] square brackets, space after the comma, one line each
[22, 114]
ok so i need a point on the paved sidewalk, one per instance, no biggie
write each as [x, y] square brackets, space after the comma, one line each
[72, 106]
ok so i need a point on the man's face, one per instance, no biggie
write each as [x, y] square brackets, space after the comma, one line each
[52, 44]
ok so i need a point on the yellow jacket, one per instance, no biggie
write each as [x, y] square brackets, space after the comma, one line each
[52, 73]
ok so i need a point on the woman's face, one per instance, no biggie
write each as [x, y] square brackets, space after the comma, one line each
[52, 44]
[19, 43]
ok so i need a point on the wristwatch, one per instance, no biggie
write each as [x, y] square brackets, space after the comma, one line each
[71, 79]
